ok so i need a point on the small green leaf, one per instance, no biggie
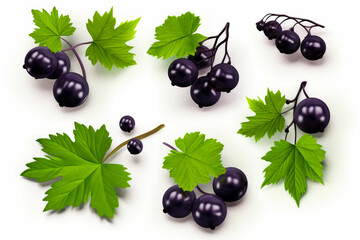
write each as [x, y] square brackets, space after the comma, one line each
[109, 43]
[79, 163]
[198, 160]
[294, 163]
[50, 28]
[177, 37]
[268, 118]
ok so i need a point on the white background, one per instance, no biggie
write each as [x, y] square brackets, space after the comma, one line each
[29, 112]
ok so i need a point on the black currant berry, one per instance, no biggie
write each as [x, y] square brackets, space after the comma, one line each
[182, 72]
[288, 42]
[127, 123]
[272, 29]
[135, 146]
[70, 90]
[202, 57]
[260, 25]
[313, 47]
[63, 65]
[40, 62]
[203, 93]
[230, 186]
[224, 77]
[178, 203]
[312, 115]
[209, 211]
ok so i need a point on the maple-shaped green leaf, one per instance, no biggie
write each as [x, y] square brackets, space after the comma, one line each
[268, 118]
[50, 28]
[294, 163]
[198, 160]
[83, 174]
[109, 43]
[177, 37]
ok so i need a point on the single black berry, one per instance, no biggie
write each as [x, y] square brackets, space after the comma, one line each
[135, 146]
[127, 123]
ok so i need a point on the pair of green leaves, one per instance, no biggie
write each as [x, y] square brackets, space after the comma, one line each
[108, 45]
[291, 162]
[176, 36]
[83, 174]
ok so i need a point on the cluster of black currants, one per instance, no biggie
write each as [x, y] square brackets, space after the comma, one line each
[205, 90]
[311, 115]
[70, 89]
[288, 41]
[127, 124]
[209, 210]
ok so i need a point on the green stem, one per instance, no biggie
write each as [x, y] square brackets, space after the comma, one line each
[144, 135]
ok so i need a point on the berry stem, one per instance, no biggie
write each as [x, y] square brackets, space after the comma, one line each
[169, 146]
[75, 46]
[295, 100]
[299, 21]
[287, 129]
[302, 87]
[144, 135]
[216, 45]
[287, 110]
[77, 56]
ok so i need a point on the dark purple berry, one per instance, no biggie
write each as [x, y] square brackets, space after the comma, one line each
[312, 115]
[272, 29]
[63, 65]
[288, 42]
[202, 57]
[313, 47]
[224, 77]
[40, 62]
[230, 186]
[209, 211]
[70, 90]
[135, 146]
[178, 203]
[182, 72]
[127, 123]
[260, 25]
[203, 93]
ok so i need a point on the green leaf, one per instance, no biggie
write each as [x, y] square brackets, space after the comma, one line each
[268, 118]
[198, 160]
[294, 163]
[50, 28]
[109, 43]
[177, 37]
[83, 175]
